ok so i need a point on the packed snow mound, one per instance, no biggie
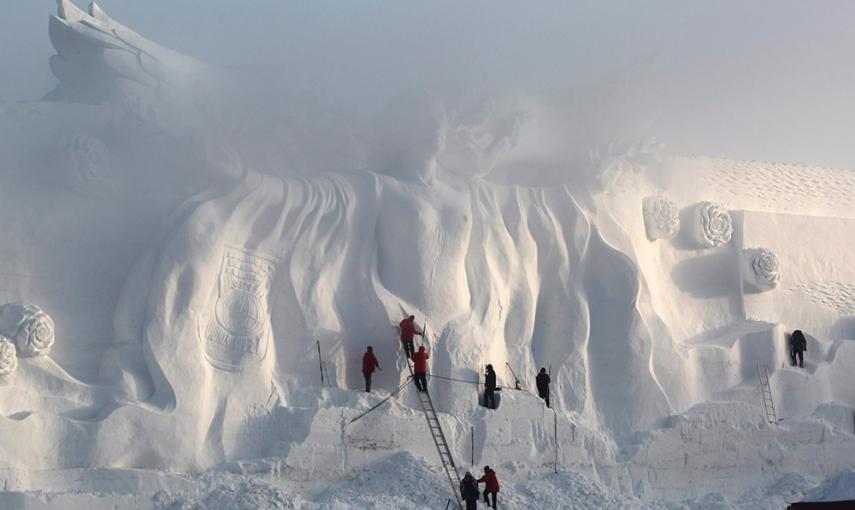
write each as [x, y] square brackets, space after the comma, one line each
[840, 487]
[226, 495]
[569, 490]
[184, 298]
[401, 481]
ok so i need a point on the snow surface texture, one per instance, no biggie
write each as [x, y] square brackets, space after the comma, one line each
[187, 290]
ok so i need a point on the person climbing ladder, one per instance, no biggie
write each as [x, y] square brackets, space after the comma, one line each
[420, 368]
[408, 331]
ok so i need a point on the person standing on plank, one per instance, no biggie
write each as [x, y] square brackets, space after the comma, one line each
[798, 346]
[543, 381]
[369, 363]
[420, 368]
[408, 331]
[490, 388]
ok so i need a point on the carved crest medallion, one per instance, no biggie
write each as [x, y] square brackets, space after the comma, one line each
[235, 331]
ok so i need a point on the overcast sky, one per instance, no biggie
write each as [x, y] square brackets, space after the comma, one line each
[752, 80]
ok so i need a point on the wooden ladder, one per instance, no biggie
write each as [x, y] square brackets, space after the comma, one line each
[439, 440]
[766, 390]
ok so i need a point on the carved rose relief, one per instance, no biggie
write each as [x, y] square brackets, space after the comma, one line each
[35, 334]
[760, 268]
[661, 218]
[713, 225]
[8, 356]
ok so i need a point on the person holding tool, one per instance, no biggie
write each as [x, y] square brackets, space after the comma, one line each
[420, 368]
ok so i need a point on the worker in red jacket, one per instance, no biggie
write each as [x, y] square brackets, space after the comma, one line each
[408, 331]
[492, 485]
[420, 368]
[369, 363]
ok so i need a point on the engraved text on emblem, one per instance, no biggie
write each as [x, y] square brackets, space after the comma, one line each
[236, 329]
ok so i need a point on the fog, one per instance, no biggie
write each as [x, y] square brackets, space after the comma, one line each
[759, 80]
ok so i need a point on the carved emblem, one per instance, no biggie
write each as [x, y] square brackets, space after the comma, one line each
[236, 331]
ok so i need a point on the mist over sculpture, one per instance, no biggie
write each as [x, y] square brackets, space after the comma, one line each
[242, 279]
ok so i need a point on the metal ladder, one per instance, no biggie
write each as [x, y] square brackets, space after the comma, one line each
[766, 390]
[439, 440]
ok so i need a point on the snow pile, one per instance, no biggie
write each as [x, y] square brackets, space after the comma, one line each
[243, 495]
[401, 481]
[568, 490]
[840, 487]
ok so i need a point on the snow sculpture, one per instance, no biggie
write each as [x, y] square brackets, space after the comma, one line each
[760, 268]
[474, 146]
[8, 356]
[612, 163]
[661, 218]
[101, 61]
[712, 225]
[237, 332]
[31, 327]
[82, 158]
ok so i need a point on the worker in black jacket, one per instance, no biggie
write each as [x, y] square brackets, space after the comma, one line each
[798, 346]
[490, 388]
[543, 381]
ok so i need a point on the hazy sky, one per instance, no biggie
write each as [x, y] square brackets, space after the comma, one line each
[754, 80]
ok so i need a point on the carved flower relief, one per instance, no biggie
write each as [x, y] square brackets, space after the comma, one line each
[8, 356]
[760, 268]
[35, 334]
[661, 218]
[713, 225]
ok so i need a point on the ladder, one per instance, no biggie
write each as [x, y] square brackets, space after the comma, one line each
[766, 391]
[439, 440]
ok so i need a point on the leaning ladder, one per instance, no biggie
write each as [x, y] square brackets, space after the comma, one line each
[766, 390]
[439, 440]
